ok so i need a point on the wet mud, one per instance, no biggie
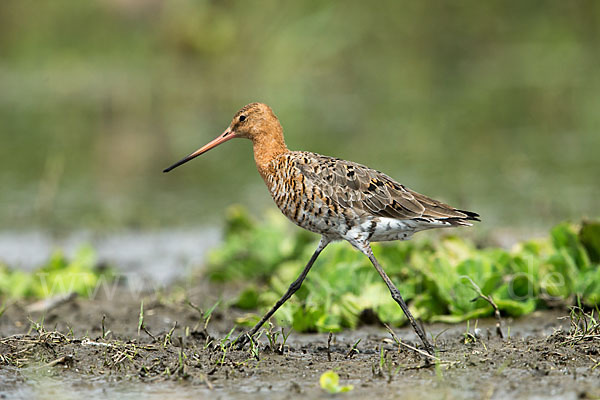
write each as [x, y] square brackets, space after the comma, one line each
[98, 348]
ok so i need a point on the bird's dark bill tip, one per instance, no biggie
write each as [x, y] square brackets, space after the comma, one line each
[182, 161]
[169, 168]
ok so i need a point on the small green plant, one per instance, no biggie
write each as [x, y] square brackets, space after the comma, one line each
[469, 337]
[330, 382]
[225, 345]
[354, 349]
[38, 326]
[181, 362]
[255, 346]
[169, 335]
[204, 316]
[584, 325]
[273, 338]
[439, 373]
[141, 318]
[386, 366]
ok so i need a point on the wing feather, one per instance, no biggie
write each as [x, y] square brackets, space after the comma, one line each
[372, 192]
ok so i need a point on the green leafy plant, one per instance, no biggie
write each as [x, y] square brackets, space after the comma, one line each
[435, 277]
[59, 275]
[330, 382]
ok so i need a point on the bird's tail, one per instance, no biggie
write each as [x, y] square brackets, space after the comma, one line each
[463, 221]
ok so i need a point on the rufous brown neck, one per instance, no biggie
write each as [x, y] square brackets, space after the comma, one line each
[267, 146]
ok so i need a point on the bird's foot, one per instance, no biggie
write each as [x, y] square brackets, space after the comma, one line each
[242, 341]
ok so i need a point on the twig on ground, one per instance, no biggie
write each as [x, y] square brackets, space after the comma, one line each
[68, 359]
[491, 302]
[329, 346]
[148, 332]
[46, 305]
[401, 343]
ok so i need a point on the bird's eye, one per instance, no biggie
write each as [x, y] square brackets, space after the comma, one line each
[242, 118]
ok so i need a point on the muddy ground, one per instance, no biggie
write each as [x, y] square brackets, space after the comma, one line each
[65, 352]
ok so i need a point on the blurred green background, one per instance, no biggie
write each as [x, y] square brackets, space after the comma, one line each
[492, 106]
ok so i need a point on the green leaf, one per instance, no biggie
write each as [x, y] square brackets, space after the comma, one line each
[248, 299]
[330, 382]
[565, 237]
[516, 308]
[589, 236]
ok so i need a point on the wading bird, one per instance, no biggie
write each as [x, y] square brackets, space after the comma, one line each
[340, 200]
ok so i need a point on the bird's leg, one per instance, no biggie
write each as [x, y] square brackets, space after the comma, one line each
[291, 290]
[397, 297]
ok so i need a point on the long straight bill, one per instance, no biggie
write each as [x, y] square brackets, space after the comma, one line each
[227, 135]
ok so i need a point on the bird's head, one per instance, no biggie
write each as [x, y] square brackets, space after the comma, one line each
[255, 121]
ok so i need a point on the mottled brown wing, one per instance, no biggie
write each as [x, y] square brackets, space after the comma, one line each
[364, 189]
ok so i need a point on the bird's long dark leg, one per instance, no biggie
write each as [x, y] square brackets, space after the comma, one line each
[397, 297]
[291, 290]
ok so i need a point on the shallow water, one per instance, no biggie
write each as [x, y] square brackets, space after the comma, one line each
[153, 256]
[33, 383]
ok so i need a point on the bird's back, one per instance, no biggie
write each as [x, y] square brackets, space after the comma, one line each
[346, 200]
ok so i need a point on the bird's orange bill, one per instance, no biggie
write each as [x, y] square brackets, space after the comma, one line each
[227, 135]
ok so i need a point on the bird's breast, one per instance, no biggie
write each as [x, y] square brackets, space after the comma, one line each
[303, 202]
